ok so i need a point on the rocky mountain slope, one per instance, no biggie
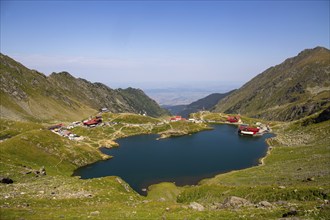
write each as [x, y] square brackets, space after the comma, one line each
[206, 103]
[28, 94]
[298, 87]
[174, 109]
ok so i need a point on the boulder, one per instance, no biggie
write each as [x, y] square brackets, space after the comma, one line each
[265, 204]
[42, 171]
[310, 179]
[236, 202]
[196, 206]
[95, 213]
[290, 213]
[6, 180]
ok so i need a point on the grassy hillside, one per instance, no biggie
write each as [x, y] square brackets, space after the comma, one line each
[98, 95]
[296, 88]
[293, 179]
[291, 182]
[296, 171]
[141, 103]
[29, 95]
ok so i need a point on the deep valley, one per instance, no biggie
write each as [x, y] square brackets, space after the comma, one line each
[52, 125]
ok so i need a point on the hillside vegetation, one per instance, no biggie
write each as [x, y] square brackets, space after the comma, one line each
[293, 179]
[30, 95]
[298, 87]
[36, 164]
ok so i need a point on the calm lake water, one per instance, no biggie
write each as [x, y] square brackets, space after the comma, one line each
[142, 160]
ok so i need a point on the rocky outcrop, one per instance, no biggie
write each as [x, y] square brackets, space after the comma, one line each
[323, 116]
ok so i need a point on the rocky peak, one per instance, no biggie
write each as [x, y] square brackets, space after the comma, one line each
[62, 74]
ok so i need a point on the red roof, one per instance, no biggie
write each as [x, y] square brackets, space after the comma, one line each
[177, 118]
[93, 121]
[249, 128]
[232, 119]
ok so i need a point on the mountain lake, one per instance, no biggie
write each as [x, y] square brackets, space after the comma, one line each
[143, 160]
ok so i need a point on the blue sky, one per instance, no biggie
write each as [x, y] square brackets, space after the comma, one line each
[160, 43]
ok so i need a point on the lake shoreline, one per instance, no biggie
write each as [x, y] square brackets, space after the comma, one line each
[221, 149]
[269, 150]
[261, 163]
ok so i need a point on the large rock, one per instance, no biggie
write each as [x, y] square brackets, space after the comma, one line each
[236, 202]
[6, 180]
[95, 213]
[265, 204]
[196, 206]
[42, 171]
[290, 213]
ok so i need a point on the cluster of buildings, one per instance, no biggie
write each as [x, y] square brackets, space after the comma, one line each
[180, 118]
[257, 130]
[230, 119]
[63, 131]
[177, 118]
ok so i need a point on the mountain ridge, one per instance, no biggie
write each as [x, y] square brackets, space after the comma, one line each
[297, 87]
[30, 95]
[206, 103]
